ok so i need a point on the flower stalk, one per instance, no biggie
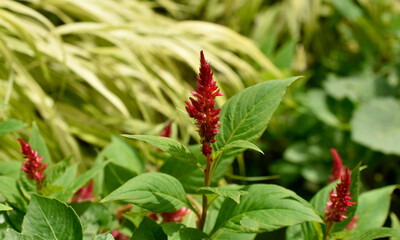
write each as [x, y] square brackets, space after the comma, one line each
[33, 165]
[202, 109]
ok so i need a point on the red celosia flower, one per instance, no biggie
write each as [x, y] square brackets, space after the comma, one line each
[339, 201]
[175, 216]
[353, 223]
[203, 109]
[118, 235]
[337, 170]
[167, 131]
[33, 165]
[84, 194]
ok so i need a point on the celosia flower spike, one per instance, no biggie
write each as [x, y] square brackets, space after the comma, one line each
[33, 165]
[339, 202]
[203, 109]
[337, 170]
[166, 132]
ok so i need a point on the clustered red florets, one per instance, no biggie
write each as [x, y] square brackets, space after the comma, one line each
[84, 194]
[339, 202]
[337, 170]
[33, 165]
[203, 108]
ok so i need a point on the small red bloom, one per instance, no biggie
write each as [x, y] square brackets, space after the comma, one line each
[337, 170]
[33, 165]
[167, 131]
[339, 202]
[175, 216]
[203, 109]
[84, 194]
[118, 235]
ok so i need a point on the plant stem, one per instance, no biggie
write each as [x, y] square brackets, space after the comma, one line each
[328, 229]
[207, 182]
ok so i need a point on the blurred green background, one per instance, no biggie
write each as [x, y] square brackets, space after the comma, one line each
[84, 70]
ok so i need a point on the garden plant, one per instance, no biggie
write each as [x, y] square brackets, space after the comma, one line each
[184, 200]
[289, 131]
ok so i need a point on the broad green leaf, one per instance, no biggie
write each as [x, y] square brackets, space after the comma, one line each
[178, 231]
[245, 116]
[241, 144]
[115, 176]
[374, 205]
[316, 101]
[104, 236]
[13, 235]
[230, 191]
[228, 235]
[374, 234]
[149, 230]
[9, 190]
[80, 181]
[10, 125]
[294, 233]
[168, 145]
[395, 225]
[51, 219]
[265, 208]
[38, 144]
[157, 192]
[376, 125]
[4, 207]
[123, 155]
[356, 88]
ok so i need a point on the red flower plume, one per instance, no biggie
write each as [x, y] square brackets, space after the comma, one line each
[203, 109]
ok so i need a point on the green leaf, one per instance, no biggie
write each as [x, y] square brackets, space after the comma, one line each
[157, 192]
[123, 155]
[38, 144]
[374, 234]
[230, 191]
[178, 231]
[57, 170]
[80, 181]
[149, 230]
[376, 125]
[13, 235]
[9, 190]
[374, 205]
[104, 236]
[228, 235]
[241, 144]
[294, 233]
[51, 219]
[395, 225]
[168, 145]
[265, 208]
[115, 176]
[316, 101]
[4, 207]
[10, 125]
[10, 169]
[246, 115]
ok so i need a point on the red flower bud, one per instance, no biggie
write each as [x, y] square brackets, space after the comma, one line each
[202, 109]
[337, 170]
[33, 165]
[339, 202]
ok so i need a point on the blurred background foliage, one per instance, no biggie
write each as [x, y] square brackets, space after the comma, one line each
[86, 69]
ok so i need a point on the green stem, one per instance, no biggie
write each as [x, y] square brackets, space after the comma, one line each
[328, 229]
[207, 182]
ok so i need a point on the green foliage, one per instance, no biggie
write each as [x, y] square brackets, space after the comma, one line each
[156, 192]
[51, 219]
